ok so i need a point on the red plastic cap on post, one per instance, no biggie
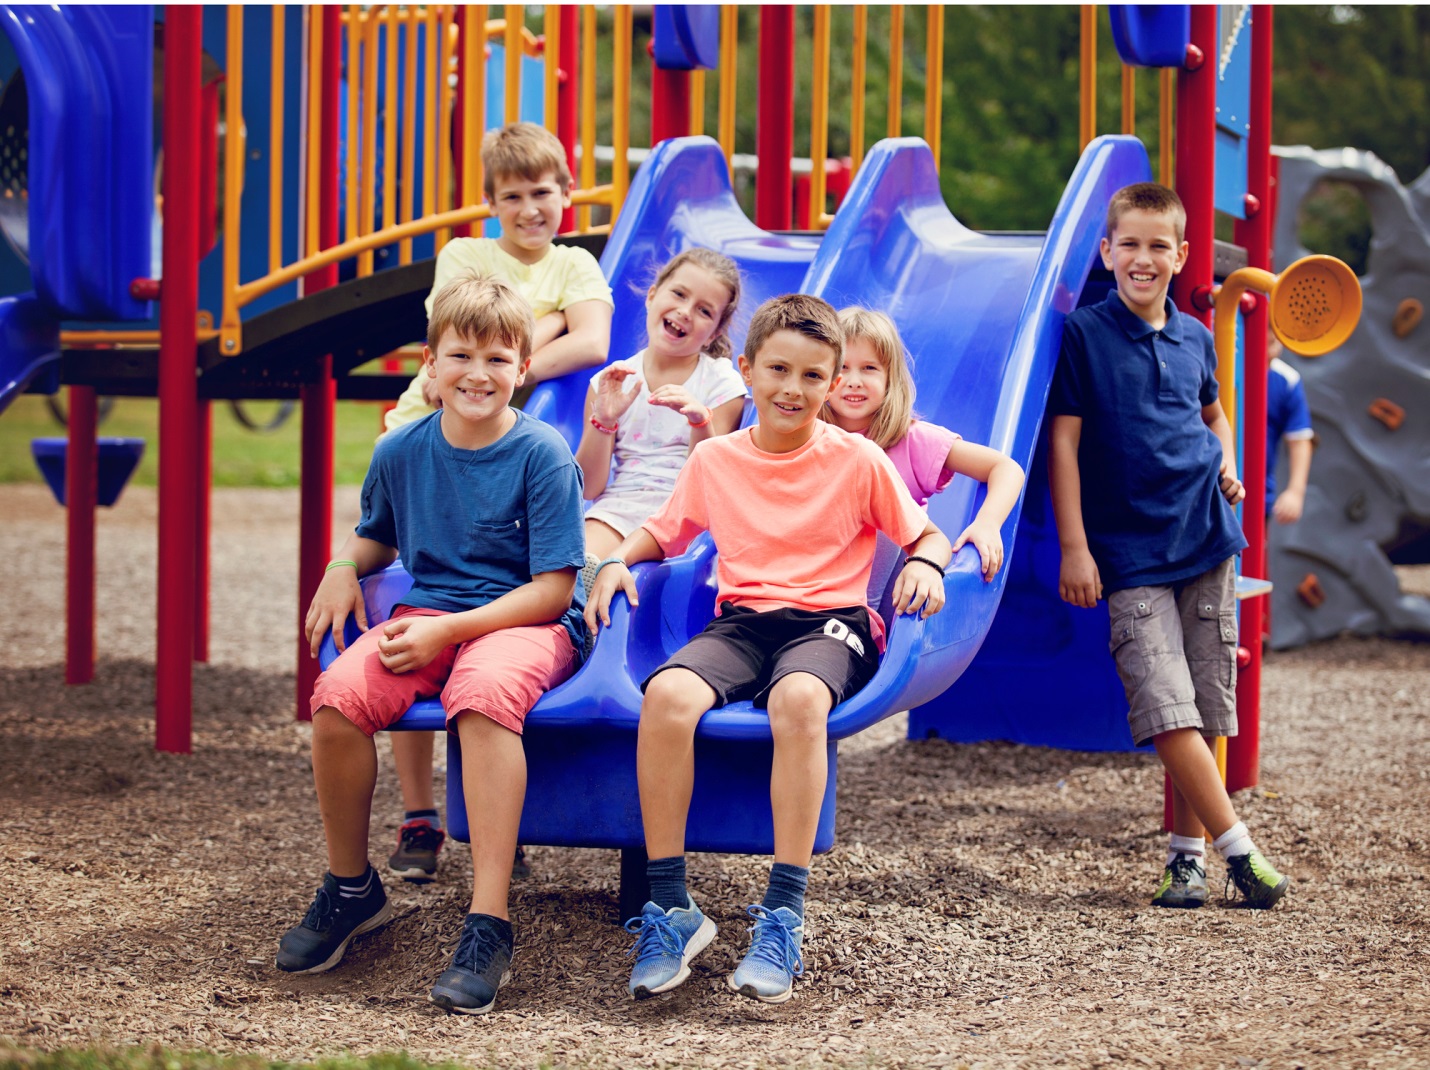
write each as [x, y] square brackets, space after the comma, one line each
[1204, 298]
[1195, 58]
[1252, 204]
[145, 289]
[1248, 302]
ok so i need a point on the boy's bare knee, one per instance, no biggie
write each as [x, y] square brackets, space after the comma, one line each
[677, 696]
[330, 725]
[800, 704]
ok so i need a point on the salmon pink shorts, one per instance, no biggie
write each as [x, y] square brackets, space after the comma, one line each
[499, 675]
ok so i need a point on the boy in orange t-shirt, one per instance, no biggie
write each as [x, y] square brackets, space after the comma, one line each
[794, 505]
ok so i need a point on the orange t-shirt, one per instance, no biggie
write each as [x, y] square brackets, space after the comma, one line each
[795, 530]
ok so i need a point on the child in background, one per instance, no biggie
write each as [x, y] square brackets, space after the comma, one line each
[794, 506]
[528, 185]
[646, 413]
[875, 398]
[1142, 468]
[1288, 419]
[484, 504]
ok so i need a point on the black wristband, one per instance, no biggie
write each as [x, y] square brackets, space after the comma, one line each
[924, 561]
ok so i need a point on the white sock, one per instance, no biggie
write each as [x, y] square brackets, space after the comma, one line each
[1192, 846]
[1234, 841]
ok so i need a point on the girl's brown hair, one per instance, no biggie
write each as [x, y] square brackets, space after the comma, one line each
[724, 269]
[896, 414]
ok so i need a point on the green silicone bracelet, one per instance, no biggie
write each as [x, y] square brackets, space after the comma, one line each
[338, 564]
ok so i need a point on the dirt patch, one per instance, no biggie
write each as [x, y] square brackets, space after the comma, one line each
[985, 905]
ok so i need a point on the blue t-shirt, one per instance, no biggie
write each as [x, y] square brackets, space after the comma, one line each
[1287, 416]
[472, 525]
[1151, 499]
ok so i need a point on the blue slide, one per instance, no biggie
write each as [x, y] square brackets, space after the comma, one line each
[982, 316]
[29, 345]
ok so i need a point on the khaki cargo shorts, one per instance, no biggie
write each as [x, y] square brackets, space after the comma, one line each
[1175, 648]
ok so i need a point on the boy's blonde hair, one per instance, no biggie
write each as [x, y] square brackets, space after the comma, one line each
[481, 309]
[1150, 197]
[812, 317]
[724, 269]
[891, 422]
[525, 151]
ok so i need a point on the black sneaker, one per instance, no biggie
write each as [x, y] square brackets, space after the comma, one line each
[1184, 883]
[520, 867]
[1257, 880]
[317, 943]
[415, 859]
[481, 965]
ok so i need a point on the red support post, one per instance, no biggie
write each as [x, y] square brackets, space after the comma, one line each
[203, 514]
[568, 96]
[670, 105]
[81, 491]
[774, 126]
[1243, 755]
[319, 397]
[178, 394]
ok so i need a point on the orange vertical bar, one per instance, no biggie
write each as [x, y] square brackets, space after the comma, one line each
[896, 70]
[621, 110]
[474, 103]
[430, 81]
[933, 82]
[1087, 75]
[1166, 99]
[818, 117]
[315, 123]
[696, 122]
[588, 110]
[1129, 100]
[515, 20]
[354, 85]
[275, 143]
[858, 77]
[729, 60]
[389, 117]
[409, 133]
[551, 62]
[368, 221]
[444, 125]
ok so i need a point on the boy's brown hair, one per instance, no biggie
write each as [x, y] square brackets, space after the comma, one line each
[812, 317]
[525, 151]
[481, 309]
[1152, 197]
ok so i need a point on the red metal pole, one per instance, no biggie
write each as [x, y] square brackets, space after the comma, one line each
[568, 95]
[1243, 754]
[203, 513]
[1195, 180]
[81, 489]
[670, 105]
[178, 396]
[774, 126]
[320, 396]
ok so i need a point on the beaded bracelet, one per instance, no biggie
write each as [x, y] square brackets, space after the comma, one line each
[924, 561]
[703, 422]
[603, 428]
[608, 561]
[339, 564]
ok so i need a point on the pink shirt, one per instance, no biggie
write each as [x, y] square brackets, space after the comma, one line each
[920, 457]
[795, 530]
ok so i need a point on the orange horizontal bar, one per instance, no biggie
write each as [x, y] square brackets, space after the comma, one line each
[141, 339]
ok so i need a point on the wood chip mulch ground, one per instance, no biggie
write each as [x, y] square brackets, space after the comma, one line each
[984, 906]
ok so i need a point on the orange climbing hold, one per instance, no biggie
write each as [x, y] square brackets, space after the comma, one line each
[1387, 412]
[1310, 591]
[1407, 317]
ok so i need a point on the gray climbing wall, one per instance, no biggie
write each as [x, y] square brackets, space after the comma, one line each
[1370, 404]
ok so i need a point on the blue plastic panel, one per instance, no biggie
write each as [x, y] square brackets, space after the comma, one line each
[687, 37]
[118, 457]
[1151, 35]
[29, 345]
[89, 72]
[1233, 113]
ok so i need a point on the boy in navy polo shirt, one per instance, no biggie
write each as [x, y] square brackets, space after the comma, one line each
[1151, 527]
[1288, 418]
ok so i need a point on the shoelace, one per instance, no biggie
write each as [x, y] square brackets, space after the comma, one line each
[656, 935]
[476, 948]
[422, 836]
[773, 942]
[1183, 868]
[320, 913]
[1251, 873]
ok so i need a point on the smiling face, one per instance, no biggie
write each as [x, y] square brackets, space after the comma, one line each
[530, 213]
[789, 378]
[863, 385]
[475, 380]
[1143, 254]
[685, 311]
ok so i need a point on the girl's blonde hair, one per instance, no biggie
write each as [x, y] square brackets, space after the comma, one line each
[724, 269]
[896, 414]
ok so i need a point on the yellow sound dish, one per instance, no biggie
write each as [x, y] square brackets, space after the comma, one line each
[1315, 305]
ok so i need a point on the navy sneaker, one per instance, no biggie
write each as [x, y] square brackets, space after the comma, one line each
[1184, 884]
[318, 942]
[666, 941]
[415, 859]
[481, 965]
[768, 970]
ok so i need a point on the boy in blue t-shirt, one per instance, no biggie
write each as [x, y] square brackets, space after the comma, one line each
[1288, 419]
[1141, 463]
[484, 504]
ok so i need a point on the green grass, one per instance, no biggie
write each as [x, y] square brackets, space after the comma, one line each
[156, 1058]
[241, 458]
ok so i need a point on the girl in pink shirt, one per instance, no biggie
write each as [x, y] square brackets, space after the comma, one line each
[875, 398]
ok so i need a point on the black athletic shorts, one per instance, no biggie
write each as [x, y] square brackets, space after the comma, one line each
[743, 653]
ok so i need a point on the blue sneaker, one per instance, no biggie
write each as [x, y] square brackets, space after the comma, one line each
[317, 943]
[768, 970]
[666, 941]
[481, 965]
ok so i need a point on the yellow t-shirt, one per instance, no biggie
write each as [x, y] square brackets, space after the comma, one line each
[566, 275]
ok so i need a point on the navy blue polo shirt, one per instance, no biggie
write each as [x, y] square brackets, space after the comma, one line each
[1151, 501]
